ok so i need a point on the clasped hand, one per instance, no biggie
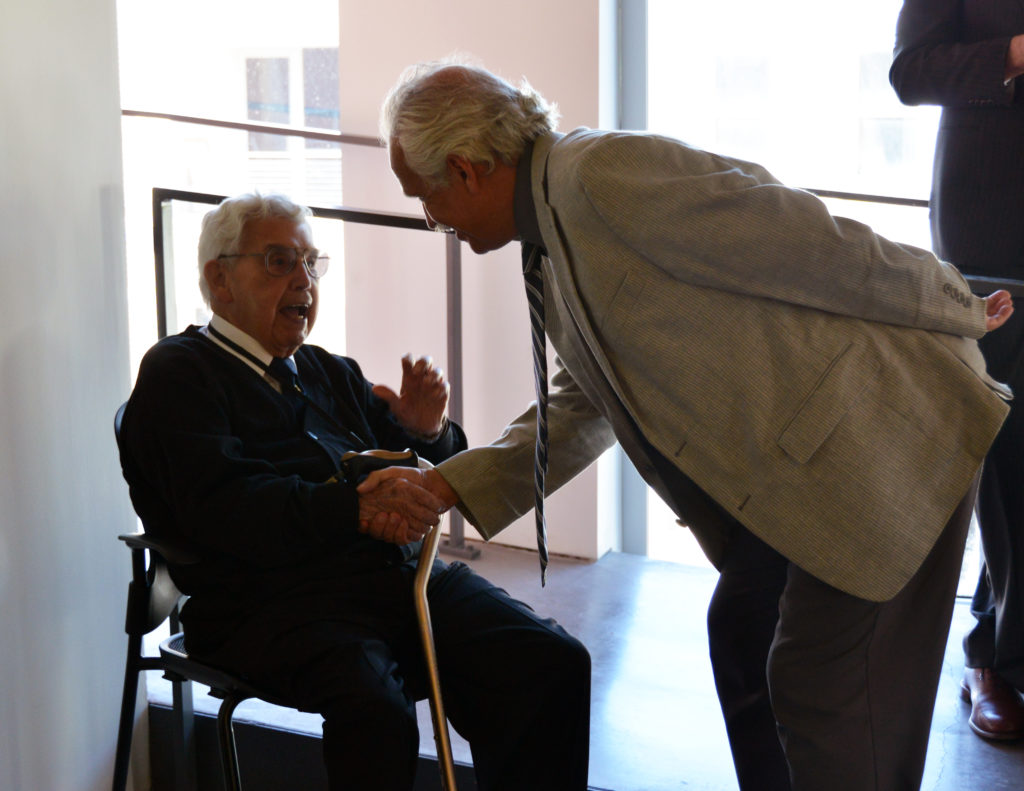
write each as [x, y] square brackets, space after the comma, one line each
[398, 510]
[406, 503]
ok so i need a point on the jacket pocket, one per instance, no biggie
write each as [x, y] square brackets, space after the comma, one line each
[832, 396]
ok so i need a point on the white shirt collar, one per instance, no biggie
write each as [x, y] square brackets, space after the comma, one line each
[243, 339]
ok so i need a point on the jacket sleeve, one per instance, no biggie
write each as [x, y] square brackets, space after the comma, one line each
[933, 64]
[721, 223]
[495, 482]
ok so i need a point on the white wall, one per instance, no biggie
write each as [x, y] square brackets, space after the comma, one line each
[400, 302]
[64, 363]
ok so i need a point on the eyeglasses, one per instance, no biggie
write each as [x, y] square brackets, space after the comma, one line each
[280, 261]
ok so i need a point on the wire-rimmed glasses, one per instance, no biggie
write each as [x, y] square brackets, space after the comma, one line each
[281, 261]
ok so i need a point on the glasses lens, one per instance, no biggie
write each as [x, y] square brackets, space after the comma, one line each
[317, 264]
[281, 261]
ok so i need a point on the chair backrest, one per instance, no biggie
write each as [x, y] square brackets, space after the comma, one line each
[152, 595]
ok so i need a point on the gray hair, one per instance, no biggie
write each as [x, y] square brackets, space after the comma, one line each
[223, 227]
[445, 107]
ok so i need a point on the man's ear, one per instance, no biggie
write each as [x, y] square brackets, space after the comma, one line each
[215, 273]
[462, 171]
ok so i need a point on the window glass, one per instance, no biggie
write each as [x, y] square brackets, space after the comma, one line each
[266, 82]
[802, 88]
[798, 86]
[234, 61]
[320, 91]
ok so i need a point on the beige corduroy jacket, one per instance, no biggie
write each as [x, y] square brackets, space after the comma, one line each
[819, 382]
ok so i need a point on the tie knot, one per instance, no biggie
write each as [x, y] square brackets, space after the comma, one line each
[284, 371]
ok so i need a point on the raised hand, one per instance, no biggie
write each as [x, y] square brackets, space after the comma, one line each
[419, 406]
[398, 510]
[998, 308]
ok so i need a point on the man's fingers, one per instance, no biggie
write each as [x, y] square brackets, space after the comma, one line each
[397, 510]
[998, 309]
[377, 477]
[424, 499]
[386, 393]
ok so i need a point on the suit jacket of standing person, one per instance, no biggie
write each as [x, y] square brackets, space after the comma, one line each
[953, 53]
[819, 382]
[225, 466]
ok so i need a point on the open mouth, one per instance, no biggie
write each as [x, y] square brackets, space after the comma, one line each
[297, 312]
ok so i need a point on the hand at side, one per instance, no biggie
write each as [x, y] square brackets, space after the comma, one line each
[998, 308]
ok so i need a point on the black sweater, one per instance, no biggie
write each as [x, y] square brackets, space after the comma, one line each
[220, 462]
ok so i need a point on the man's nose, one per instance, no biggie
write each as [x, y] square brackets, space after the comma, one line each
[301, 278]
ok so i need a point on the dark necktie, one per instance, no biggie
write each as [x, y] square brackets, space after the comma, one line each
[287, 375]
[535, 298]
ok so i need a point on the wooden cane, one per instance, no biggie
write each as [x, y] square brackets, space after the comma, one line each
[442, 741]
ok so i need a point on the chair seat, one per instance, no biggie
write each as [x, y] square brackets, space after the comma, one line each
[222, 683]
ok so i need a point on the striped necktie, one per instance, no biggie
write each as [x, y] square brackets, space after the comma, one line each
[535, 298]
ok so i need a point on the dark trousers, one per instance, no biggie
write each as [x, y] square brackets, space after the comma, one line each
[823, 690]
[997, 640]
[515, 685]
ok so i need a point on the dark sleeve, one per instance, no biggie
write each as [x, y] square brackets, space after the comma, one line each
[225, 479]
[936, 62]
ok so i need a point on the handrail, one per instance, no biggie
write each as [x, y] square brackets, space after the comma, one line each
[374, 142]
[329, 136]
[917, 203]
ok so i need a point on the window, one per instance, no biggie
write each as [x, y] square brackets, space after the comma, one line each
[266, 83]
[802, 88]
[233, 61]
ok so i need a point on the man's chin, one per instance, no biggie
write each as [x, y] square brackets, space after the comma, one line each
[480, 246]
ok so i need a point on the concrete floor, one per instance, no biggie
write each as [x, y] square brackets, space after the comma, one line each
[656, 724]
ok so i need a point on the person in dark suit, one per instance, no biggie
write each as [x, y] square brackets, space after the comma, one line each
[969, 58]
[303, 585]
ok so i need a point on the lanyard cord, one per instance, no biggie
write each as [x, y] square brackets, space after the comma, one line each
[360, 440]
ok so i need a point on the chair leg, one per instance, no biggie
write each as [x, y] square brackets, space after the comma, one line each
[126, 725]
[183, 742]
[226, 736]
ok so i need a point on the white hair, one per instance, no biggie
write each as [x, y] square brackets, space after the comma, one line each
[223, 227]
[446, 107]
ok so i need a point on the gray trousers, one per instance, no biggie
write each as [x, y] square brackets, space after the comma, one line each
[823, 690]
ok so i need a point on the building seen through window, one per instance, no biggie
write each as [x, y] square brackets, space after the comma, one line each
[235, 61]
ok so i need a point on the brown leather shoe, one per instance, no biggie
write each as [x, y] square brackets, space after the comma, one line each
[997, 711]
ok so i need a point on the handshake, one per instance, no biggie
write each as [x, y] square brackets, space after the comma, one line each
[397, 504]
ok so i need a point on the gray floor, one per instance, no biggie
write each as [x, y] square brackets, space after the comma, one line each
[656, 724]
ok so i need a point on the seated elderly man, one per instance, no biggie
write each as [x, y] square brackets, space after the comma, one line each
[305, 586]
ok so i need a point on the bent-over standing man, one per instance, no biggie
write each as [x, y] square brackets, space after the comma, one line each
[808, 397]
